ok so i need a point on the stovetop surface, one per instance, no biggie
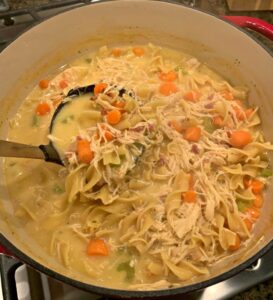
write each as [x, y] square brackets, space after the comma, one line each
[33, 285]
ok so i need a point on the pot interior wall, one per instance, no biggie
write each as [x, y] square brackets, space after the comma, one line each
[53, 43]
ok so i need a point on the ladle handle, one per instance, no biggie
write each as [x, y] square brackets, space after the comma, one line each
[11, 149]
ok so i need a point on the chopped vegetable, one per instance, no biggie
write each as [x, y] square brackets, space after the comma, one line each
[88, 60]
[169, 76]
[113, 117]
[63, 84]
[42, 109]
[176, 126]
[253, 212]
[256, 186]
[237, 244]
[248, 224]
[208, 125]
[242, 205]
[258, 201]
[35, 121]
[167, 88]
[99, 88]
[128, 269]
[119, 104]
[57, 189]
[249, 112]
[192, 96]
[266, 173]
[85, 154]
[218, 121]
[116, 52]
[97, 247]
[192, 134]
[108, 136]
[240, 138]
[43, 84]
[227, 95]
[138, 51]
[189, 196]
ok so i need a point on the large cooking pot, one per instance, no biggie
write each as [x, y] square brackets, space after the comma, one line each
[224, 47]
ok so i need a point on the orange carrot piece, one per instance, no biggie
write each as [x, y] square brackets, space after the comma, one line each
[119, 104]
[176, 126]
[189, 196]
[116, 52]
[169, 76]
[249, 112]
[97, 247]
[237, 244]
[218, 121]
[239, 112]
[248, 224]
[258, 201]
[43, 84]
[240, 138]
[99, 88]
[192, 96]
[85, 154]
[247, 181]
[192, 134]
[42, 109]
[63, 84]
[138, 51]
[227, 95]
[257, 186]
[167, 88]
[253, 212]
[113, 116]
[108, 135]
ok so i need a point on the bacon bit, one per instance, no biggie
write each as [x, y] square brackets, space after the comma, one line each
[103, 111]
[209, 106]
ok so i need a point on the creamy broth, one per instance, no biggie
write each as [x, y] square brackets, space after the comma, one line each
[172, 178]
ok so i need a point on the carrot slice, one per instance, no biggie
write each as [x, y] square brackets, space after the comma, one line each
[42, 109]
[85, 154]
[253, 212]
[248, 224]
[240, 138]
[63, 84]
[99, 88]
[249, 112]
[167, 88]
[218, 121]
[176, 126]
[239, 112]
[113, 116]
[116, 52]
[119, 104]
[257, 186]
[169, 76]
[227, 95]
[108, 135]
[192, 96]
[237, 244]
[97, 247]
[138, 51]
[43, 84]
[189, 196]
[259, 201]
[192, 134]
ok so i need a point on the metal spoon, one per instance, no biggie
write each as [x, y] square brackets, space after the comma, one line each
[45, 152]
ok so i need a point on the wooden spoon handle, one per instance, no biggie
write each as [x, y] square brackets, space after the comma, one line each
[11, 149]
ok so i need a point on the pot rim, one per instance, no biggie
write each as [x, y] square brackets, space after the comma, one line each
[138, 293]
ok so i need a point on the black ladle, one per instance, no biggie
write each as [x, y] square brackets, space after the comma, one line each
[45, 152]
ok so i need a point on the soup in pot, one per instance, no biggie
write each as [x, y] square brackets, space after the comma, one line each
[165, 167]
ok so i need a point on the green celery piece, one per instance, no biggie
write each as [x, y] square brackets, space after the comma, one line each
[57, 189]
[35, 121]
[266, 172]
[130, 271]
[209, 127]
